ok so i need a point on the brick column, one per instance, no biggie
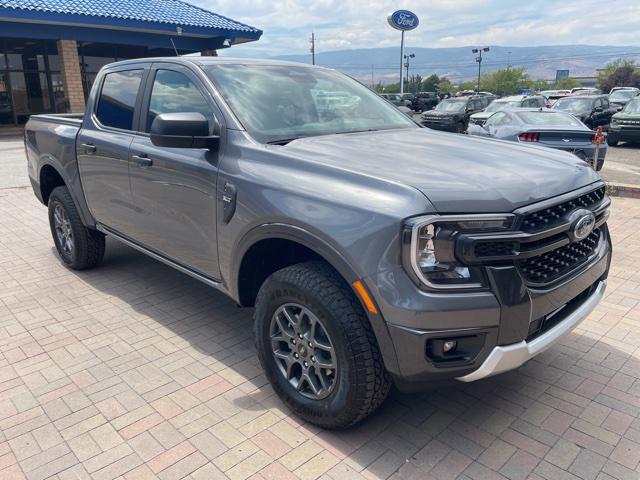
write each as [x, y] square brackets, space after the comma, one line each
[209, 53]
[71, 76]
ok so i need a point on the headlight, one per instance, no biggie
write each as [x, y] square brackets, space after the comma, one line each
[429, 249]
[614, 121]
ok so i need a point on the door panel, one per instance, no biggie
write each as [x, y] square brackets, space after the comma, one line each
[103, 149]
[103, 161]
[174, 189]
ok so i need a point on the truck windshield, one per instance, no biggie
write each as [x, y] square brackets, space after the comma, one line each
[452, 105]
[279, 103]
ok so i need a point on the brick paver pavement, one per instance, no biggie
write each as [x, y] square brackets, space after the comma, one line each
[136, 371]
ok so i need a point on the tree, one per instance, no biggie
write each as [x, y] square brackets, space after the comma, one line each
[444, 85]
[619, 73]
[468, 85]
[414, 84]
[430, 84]
[505, 82]
[566, 83]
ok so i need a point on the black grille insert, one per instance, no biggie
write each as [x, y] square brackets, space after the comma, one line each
[495, 249]
[552, 265]
[552, 216]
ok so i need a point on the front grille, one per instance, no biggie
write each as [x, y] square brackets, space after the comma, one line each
[554, 215]
[553, 265]
[495, 249]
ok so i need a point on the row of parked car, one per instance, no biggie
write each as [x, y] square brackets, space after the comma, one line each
[558, 119]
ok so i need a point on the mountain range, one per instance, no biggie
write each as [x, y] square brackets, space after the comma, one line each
[459, 64]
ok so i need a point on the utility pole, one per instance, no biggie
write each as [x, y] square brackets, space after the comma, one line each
[313, 48]
[406, 65]
[479, 51]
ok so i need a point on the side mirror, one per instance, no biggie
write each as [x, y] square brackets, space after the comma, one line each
[182, 130]
[598, 109]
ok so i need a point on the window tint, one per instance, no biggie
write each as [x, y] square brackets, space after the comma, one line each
[496, 119]
[118, 99]
[605, 103]
[173, 92]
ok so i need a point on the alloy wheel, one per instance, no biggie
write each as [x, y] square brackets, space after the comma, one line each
[303, 351]
[64, 233]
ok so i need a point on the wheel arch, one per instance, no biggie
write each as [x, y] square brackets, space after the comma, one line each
[49, 178]
[311, 246]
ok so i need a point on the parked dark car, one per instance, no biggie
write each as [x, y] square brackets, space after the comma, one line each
[544, 127]
[396, 99]
[515, 101]
[372, 250]
[621, 96]
[625, 125]
[423, 101]
[453, 114]
[592, 110]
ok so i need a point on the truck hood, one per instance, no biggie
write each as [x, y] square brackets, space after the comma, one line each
[457, 173]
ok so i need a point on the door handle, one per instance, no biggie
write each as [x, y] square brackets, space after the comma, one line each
[89, 148]
[142, 160]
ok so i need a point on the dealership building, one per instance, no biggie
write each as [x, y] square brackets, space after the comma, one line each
[51, 50]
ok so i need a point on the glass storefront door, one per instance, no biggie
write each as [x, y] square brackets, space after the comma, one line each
[28, 85]
[6, 112]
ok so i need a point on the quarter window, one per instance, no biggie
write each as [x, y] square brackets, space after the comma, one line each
[173, 92]
[118, 99]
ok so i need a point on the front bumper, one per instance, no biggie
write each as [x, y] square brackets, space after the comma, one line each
[624, 133]
[445, 125]
[500, 327]
[508, 357]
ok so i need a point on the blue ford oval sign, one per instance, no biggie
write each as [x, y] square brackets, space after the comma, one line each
[403, 20]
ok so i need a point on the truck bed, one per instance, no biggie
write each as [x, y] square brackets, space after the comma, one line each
[71, 119]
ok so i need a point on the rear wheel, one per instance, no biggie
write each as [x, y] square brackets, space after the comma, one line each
[79, 247]
[317, 347]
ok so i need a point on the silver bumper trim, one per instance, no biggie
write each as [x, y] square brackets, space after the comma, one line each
[508, 357]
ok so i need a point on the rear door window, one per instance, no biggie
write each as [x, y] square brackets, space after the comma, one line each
[117, 100]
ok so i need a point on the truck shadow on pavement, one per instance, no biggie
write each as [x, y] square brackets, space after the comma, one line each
[577, 399]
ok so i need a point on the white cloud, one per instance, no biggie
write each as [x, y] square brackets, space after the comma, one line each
[344, 24]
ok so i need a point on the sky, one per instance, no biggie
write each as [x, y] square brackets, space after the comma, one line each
[349, 24]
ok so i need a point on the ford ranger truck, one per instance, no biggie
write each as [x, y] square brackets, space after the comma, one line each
[373, 251]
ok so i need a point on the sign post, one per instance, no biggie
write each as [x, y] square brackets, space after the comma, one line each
[402, 20]
[598, 139]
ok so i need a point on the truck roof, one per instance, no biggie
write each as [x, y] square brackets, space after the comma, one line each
[197, 60]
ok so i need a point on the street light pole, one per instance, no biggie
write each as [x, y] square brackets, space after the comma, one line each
[406, 65]
[479, 51]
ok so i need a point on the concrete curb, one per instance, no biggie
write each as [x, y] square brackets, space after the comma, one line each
[623, 190]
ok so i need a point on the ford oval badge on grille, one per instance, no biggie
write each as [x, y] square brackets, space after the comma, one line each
[583, 223]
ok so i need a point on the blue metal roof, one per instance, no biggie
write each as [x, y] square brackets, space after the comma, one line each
[168, 12]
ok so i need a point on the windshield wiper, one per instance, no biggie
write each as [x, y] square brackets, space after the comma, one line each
[284, 141]
[358, 131]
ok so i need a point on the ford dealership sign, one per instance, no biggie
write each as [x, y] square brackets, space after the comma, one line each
[403, 20]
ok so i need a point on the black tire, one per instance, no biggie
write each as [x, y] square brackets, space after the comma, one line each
[612, 142]
[88, 245]
[460, 127]
[361, 382]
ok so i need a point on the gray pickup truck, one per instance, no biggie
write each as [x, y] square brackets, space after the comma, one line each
[374, 251]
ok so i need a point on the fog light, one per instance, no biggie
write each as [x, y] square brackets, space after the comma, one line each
[449, 345]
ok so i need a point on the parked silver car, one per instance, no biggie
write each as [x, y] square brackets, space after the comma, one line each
[549, 128]
[516, 101]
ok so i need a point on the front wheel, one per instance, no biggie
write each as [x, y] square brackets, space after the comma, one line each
[79, 247]
[460, 127]
[317, 347]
